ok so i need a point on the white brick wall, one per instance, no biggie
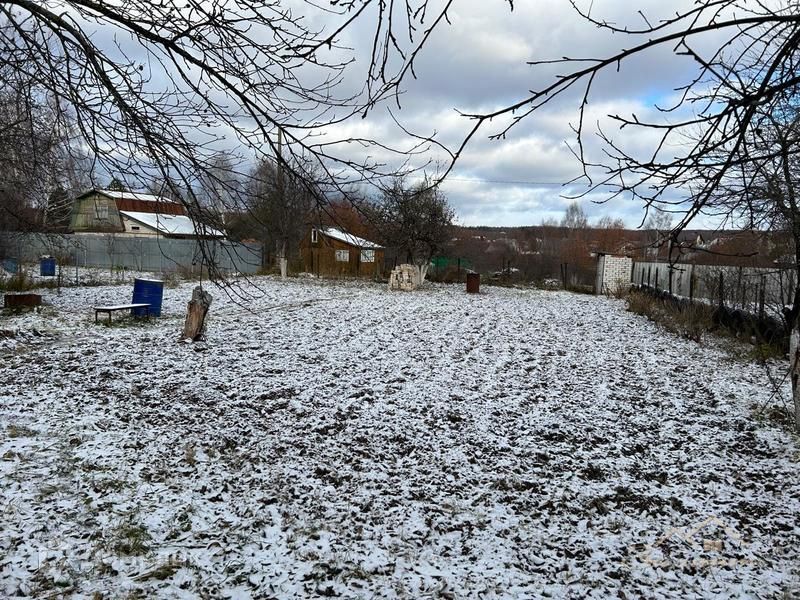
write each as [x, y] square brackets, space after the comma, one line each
[616, 272]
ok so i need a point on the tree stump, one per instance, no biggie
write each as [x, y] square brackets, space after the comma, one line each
[194, 327]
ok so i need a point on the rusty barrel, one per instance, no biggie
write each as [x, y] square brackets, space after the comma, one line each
[473, 283]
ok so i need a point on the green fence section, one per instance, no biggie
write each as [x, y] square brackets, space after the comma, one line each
[440, 263]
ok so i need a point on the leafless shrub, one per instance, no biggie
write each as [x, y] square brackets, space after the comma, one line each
[620, 291]
[690, 321]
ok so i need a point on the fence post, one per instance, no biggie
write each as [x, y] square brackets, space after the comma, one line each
[670, 272]
[691, 284]
[739, 289]
[721, 290]
[762, 292]
[656, 286]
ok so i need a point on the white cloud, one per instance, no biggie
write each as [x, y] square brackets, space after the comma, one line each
[478, 62]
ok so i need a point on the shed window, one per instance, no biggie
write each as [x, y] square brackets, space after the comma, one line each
[134, 228]
[343, 256]
[368, 256]
[102, 211]
[314, 238]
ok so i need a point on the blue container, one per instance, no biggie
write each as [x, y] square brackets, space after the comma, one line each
[148, 291]
[10, 265]
[47, 266]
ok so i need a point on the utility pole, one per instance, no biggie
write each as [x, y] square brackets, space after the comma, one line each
[282, 203]
[280, 164]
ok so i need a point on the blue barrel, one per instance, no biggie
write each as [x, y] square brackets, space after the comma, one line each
[47, 266]
[10, 265]
[148, 291]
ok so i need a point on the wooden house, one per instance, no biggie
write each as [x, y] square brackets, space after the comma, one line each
[331, 252]
[134, 214]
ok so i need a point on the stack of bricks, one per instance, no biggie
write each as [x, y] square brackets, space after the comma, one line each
[404, 278]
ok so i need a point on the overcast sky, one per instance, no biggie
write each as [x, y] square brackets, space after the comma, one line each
[479, 63]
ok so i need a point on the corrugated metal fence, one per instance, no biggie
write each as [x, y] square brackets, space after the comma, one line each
[158, 254]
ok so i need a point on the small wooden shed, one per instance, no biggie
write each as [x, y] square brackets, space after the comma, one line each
[331, 252]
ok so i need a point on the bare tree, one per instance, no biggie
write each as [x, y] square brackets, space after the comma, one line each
[221, 188]
[607, 222]
[575, 256]
[760, 191]
[38, 176]
[549, 222]
[417, 221]
[281, 205]
[746, 56]
[659, 220]
[575, 217]
[609, 234]
[658, 227]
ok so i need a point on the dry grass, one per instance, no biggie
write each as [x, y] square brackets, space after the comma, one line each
[22, 282]
[619, 291]
[690, 321]
[130, 539]
[18, 431]
[173, 279]
[693, 321]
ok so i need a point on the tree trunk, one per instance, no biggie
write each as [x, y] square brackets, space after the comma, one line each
[194, 327]
[282, 260]
[792, 316]
[794, 358]
[423, 272]
[794, 369]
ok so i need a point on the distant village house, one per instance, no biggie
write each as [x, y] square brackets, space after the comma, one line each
[135, 214]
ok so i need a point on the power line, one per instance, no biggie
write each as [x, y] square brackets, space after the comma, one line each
[504, 182]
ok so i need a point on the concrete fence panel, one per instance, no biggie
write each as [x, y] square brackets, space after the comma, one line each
[742, 287]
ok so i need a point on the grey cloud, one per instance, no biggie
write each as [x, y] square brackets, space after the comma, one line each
[479, 63]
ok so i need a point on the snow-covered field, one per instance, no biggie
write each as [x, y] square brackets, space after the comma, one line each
[341, 440]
